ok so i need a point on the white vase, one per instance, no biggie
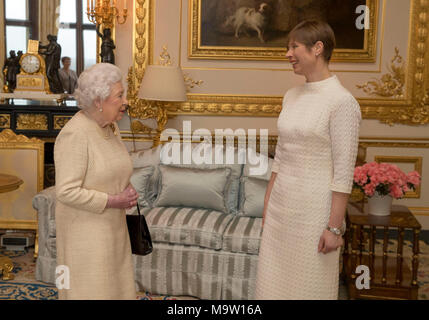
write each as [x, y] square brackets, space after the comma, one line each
[380, 205]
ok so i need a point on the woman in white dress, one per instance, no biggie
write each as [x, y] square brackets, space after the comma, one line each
[312, 176]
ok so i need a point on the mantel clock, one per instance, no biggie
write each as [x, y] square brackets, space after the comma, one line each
[33, 70]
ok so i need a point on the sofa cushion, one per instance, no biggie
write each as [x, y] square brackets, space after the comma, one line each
[243, 235]
[187, 226]
[256, 171]
[190, 187]
[140, 180]
[233, 164]
[252, 195]
[147, 158]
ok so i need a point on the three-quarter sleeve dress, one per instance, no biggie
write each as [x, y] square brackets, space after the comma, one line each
[92, 241]
[315, 155]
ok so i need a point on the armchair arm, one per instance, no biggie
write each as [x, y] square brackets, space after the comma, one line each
[44, 203]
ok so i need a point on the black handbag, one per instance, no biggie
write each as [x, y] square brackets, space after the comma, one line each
[141, 242]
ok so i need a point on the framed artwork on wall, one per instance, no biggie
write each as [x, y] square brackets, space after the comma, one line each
[258, 29]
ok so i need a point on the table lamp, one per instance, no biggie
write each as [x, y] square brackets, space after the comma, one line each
[163, 83]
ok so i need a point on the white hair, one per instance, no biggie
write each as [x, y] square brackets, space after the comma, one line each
[96, 82]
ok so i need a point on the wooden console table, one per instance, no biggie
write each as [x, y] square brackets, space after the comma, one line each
[390, 276]
[8, 183]
[36, 118]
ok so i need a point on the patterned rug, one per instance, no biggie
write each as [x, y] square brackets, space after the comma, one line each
[25, 287]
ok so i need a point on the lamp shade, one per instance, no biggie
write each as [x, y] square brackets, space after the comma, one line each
[163, 83]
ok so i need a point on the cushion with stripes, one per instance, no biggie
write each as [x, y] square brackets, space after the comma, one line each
[243, 235]
[187, 226]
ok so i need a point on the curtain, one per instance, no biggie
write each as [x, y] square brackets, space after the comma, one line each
[49, 12]
[2, 42]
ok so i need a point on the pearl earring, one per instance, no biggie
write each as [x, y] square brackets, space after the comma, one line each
[101, 110]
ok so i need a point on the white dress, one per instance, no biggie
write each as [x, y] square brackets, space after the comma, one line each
[315, 155]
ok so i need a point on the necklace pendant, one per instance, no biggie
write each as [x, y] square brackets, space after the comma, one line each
[112, 126]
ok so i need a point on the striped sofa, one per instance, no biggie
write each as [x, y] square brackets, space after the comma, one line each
[201, 253]
[197, 252]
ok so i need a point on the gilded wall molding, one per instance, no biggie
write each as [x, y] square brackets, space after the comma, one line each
[141, 109]
[411, 108]
[414, 109]
[140, 51]
[391, 85]
[201, 104]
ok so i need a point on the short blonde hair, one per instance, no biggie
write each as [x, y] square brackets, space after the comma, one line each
[96, 82]
[309, 32]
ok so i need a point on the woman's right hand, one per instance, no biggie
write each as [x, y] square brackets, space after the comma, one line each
[124, 200]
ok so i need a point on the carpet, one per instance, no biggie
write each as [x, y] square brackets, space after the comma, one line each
[25, 287]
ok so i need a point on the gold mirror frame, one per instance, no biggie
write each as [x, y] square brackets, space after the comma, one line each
[412, 108]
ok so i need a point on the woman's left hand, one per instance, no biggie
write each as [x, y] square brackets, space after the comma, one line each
[329, 242]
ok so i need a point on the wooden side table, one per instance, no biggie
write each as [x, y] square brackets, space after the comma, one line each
[390, 276]
[8, 183]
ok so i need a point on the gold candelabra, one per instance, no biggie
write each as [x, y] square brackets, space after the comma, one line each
[104, 12]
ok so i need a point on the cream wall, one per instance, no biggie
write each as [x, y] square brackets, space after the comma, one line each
[273, 78]
[2, 41]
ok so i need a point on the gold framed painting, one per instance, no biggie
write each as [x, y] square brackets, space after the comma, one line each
[255, 30]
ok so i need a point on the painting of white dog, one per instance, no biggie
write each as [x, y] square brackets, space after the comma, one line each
[249, 18]
[266, 23]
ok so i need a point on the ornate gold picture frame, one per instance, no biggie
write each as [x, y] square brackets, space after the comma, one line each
[224, 30]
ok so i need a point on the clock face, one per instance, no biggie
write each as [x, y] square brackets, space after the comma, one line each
[30, 63]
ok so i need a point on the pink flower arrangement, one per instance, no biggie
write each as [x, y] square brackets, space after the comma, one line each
[385, 179]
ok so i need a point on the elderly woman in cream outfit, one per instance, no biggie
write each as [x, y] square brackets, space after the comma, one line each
[93, 171]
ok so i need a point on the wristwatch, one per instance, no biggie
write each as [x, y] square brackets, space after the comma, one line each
[336, 231]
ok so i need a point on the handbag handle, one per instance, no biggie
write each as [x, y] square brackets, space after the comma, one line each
[138, 208]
